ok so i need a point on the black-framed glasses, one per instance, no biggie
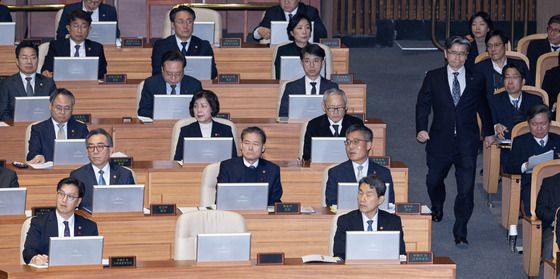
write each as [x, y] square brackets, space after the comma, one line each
[69, 197]
[353, 141]
[97, 148]
[336, 109]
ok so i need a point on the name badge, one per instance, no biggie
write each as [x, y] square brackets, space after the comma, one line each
[123, 161]
[163, 209]
[42, 211]
[382, 160]
[419, 257]
[406, 208]
[342, 78]
[228, 78]
[84, 118]
[132, 42]
[330, 42]
[122, 261]
[223, 115]
[114, 78]
[287, 208]
[231, 42]
[270, 258]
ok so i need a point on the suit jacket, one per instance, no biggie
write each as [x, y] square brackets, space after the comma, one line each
[197, 47]
[320, 127]
[473, 53]
[61, 48]
[525, 146]
[8, 178]
[551, 85]
[118, 176]
[44, 227]
[156, 85]
[41, 141]
[435, 95]
[505, 113]
[290, 49]
[13, 87]
[5, 15]
[106, 13]
[494, 80]
[234, 171]
[535, 49]
[298, 87]
[276, 13]
[192, 130]
[352, 221]
[548, 200]
[344, 172]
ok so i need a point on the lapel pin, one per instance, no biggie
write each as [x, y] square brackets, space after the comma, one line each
[40, 84]
[264, 171]
[195, 46]
[380, 228]
[72, 131]
[114, 177]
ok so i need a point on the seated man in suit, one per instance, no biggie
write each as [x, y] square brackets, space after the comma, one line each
[333, 123]
[537, 48]
[61, 125]
[359, 141]
[61, 222]
[26, 82]
[250, 167]
[8, 178]
[538, 141]
[552, 86]
[312, 59]
[182, 18]
[98, 10]
[284, 12]
[5, 15]
[100, 171]
[548, 202]
[367, 217]
[77, 45]
[171, 81]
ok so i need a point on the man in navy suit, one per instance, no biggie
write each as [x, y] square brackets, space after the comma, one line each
[312, 59]
[99, 171]
[537, 48]
[284, 12]
[77, 45]
[61, 222]
[182, 18]
[456, 96]
[98, 10]
[25, 83]
[368, 217]
[538, 141]
[171, 81]
[333, 123]
[548, 202]
[250, 167]
[8, 178]
[5, 15]
[61, 125]
[359, 141]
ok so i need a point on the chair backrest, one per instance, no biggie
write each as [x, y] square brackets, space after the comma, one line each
[333, 232]
[509, 54]
[302, 138]
[27, 136]
[328, 59]
[541, 171]
[43, 50]
[545, 62]
[554, 239]
[133, 174]
[274, 53]
[324, 185]
[523, 43]
[281, 89]
[208, 184]
[528, 89]
[202, 14]
[139, 95]
[57, 20]
[189, 225]
[523, 128]
[23, 236]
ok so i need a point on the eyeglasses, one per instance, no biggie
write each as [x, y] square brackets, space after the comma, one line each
[490, 46]
[97, 148]
[170, 74]
[353, 141]
[553, 30]
[183, 22]
[63, 109]
[336, 109]
[457, 53]
[69, 197]
[79, 26]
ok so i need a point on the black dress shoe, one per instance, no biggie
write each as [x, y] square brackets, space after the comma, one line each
[462, 243]
[437, 215]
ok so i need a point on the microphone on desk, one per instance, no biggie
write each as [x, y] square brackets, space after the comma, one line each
[512, 237]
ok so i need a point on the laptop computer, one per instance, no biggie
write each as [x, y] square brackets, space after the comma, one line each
[205, 31]
[81, 250]
[223, 247]
[8, 31]
[279, 33]
[103, 32]
[75, 68]
[328, 150]
[373, 246]
[347, 196]
[70, 152]
[291, 68]
[206, 150]
[305, 107]
[171, 106]
[30, 109]
[12, 201]
[242, 196]
[199, 67]
[118, 198]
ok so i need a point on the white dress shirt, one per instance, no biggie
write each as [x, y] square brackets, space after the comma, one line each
[177, 88]
[106, 173]
[308, 86]
[247, 164]
[81, 51]
[374, 224]
[65, 127]
[60, 220]
[339, 123]
[206, 129]
[364, 170]
[461, 77]
[497, 67]
[286, 15]
[23, 76]
[180, 46]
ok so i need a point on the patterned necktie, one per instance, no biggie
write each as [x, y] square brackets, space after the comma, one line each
[360, 175]
[101, 180]
[173, 90]
[28, 87]
[515, 103]
[77, 52]
[369, 225]
[184, 49]
[313, 88]
[290, 17]
[555, 48]
[60, 134]
[66, 229]
[541, 142]
[335, 128]
[456, 91]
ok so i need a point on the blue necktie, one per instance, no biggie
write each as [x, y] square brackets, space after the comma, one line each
[369, 227]
[77, 52]
[541, 142]
[456, 90]
[66, 229]
[101, 180]
[515, 103]
[184, 49]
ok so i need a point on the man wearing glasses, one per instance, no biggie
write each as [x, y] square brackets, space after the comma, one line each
[98, 10]
[333, 123]
[359, 141]
[99, 171]
[61, 125]
[61, 222]
[537, 48]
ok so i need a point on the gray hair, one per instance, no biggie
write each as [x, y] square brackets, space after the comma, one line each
[457, 40]
[334, 91]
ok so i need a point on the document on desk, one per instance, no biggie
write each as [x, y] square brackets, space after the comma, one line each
[319, 259]
[39, 265]
[41, 166]
[537, 159]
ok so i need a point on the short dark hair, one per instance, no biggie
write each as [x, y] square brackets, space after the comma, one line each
[485, 16]
[26, 44]
[173, 55]
[181, 8]
[294, 21]
[536, 109]
[71, 181]
[375, 183]
[256, 130]
[457, 40]
[366, 132]
[100, 131]
[498, 33]
[63, 92]
[79, 14]
[313, 49]
[554, 19]
[210, 97]
[514, 66]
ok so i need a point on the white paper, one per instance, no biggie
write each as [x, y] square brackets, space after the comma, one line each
[307, 210]
[319, 258]
[536, 159]
[39, 265]
[426, 210]
[41, 166]
[145, 119]
[4, 124]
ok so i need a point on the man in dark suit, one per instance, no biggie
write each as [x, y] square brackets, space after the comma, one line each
[552, 86]
[77, 45]
[368, 217]
[172, 81]
[250, 167]
[333, 123]
[284, 12]
[99, 171]
[61, 125]
[5, 15]
[456, 96]
[359, 142]
[98, 10]
[25, 83]
[312, 59]
[536, 48]
[182, 18]
[538, 141]
[61, 222]
[8, 178]
[548, 202]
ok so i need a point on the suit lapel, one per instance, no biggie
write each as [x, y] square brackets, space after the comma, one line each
[91, 176]
[357, 221]
[193, 47]
[114, 174]
[216, 133]
[263, 175]
[51, 135]
[371, 168]
[78, 226]
[380, 220]
[446, 85]
[89, 50]
[39, 84]
[52, 225]
[349, 171]
[20, 87]
[325, 127]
